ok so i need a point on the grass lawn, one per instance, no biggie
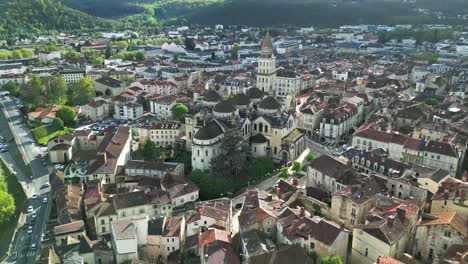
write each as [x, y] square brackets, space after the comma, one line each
[8, 227]
[44, 140]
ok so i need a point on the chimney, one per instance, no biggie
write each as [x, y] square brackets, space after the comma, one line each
[465, 176]
[401, 212]
[269, 198]
[278, 191]
[295, 182]
[390, 220]
[457, 190]
[302, 211]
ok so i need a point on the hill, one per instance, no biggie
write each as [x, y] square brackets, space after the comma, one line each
[22, 17]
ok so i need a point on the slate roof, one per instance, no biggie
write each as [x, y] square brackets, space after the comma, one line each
[269, 103]
[441, 148]
[210, 131]
[292, 254]
[111, 82]
[212, 96]
[131, 199]
[259, 138]
[254, 93]
[316, 228]
[331, 167]
[241, 99]
[224, 106]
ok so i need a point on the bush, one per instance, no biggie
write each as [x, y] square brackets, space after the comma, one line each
[44, 140]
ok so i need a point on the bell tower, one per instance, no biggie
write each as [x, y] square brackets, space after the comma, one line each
[266, 71]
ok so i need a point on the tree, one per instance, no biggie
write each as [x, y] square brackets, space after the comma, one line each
[55, 89]
[7, 203]
[12, 88]
[283, 173]
[139, 56]
[81, 92]
[26, 53]
[234, 52]
[235, 151]
[179, 111]
[296, 166]
[57, 123]
[16, 54]
[67, 115]
[406, 129]
[32, 90]
[189, 43]
[259, 168]
[331, 260]
[108, 53]
[213, 56]
[151, 152]
[431, 101]
[311, 157]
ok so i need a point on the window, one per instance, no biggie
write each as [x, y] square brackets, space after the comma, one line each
[103, 221]
[168, 240]
[312, 245]
[447, 233]
[172, 240]
[431, 253]
[103, 229]
[168, 249]
[445, 246]
[367, 252]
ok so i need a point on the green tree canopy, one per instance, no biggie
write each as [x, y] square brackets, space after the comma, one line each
[151, 152]
[179, 111]
[431, 101]
[331, 260]
[311, 157]
[283, 173]
[235, 151]
[296, 166]
[67, 115]
[81, 92]
[55, 89]
[12, 88]
[189, 43]
[7, 203]
[406, 129]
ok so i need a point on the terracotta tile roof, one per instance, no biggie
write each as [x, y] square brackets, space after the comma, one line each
[388, 260]
[452, 219]
[73, 227]
[172, 226]
[375, 135]
[212, 235]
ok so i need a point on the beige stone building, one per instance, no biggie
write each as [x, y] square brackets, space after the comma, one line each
[436, 233]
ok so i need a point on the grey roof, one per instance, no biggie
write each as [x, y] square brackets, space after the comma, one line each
[241, 99]
[210, 131]
[269, 103]
[212, 96]
[108, 81]
[259, 138]
[224, 106]
[254, 93]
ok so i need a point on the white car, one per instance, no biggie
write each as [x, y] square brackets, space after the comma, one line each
[30, 209]
[33, 246]
[34, 215]
[30, 229]
[45, 200]
[34, 195]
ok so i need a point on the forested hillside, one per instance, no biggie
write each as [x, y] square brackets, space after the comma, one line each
[34, 16]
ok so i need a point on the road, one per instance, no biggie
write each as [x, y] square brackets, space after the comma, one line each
[32, 175]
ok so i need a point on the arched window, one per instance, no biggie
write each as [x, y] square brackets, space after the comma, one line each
[260, 127]
[255, 127]
[266, 128]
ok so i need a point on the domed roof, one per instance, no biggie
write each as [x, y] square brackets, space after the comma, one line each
[210, 131]
[254, 93]
[259, 138]
[212, 96]
[224, 106]
[241, 99]
[269, 103]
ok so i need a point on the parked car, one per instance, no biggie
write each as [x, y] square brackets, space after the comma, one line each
[45, 200]
[30, 209]
[30, 229]
[33, 246]
[34, 195]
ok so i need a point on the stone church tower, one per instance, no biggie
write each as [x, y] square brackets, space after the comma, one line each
[266, 74]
